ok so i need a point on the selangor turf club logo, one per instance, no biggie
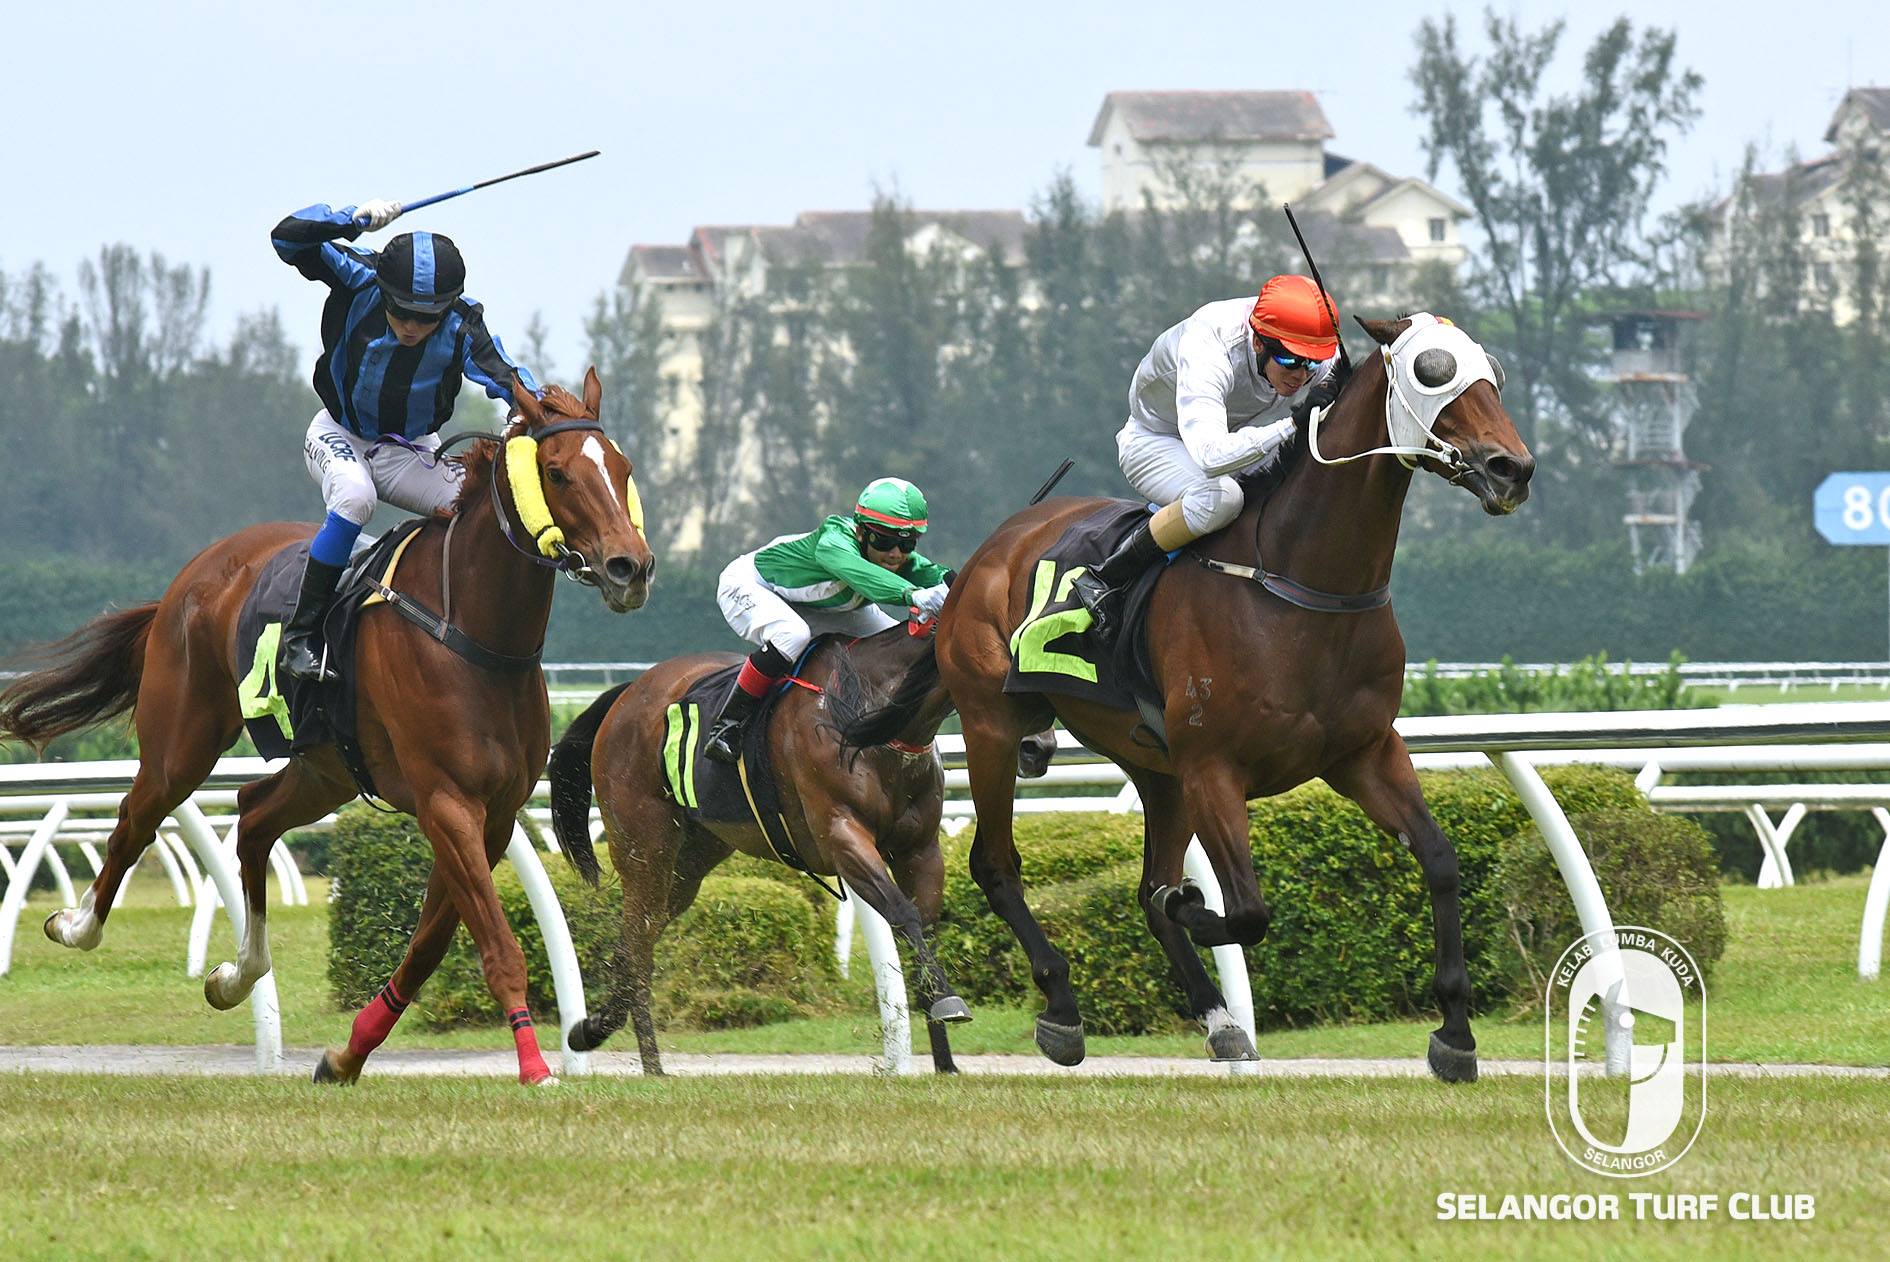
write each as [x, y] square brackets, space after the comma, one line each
[1628, 1000]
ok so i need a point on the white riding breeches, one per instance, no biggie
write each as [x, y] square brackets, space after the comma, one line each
[1160, 469]
[354, 482]
[762, 616]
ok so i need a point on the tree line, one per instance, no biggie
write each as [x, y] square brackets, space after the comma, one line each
[133, 438]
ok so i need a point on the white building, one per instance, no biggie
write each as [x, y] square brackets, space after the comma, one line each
[1820, 195]
[1270, 147]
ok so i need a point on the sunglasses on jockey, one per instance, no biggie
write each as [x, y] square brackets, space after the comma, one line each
[1278, 353]
[898, 541]
[412, 317]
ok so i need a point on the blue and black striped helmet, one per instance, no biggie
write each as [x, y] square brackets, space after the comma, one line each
[421, 272]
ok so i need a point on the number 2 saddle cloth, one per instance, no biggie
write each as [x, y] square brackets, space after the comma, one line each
[1055, 648]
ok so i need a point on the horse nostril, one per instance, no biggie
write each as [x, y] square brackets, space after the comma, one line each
[621, 570]
[1506, 469]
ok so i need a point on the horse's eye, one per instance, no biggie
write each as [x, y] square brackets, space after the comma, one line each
[555, 476]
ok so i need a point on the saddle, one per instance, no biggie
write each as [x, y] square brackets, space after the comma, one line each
[1055, 649]
[286, 716]
[710, 792]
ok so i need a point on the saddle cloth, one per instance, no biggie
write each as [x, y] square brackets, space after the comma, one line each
[1055, 648]
[282, 715]
[711, 792]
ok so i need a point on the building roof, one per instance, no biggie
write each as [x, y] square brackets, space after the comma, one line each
[1796, 185]
[1193, 117]
[1875, 102]
[1345, 241]
[837, 238]
[666, 262]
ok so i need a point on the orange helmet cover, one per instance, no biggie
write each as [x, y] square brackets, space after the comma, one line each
[1293, 312]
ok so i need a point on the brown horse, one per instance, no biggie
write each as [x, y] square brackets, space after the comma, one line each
[456, 744]
[1261, 692]
[851, 814]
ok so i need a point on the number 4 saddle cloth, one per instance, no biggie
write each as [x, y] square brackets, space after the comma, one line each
[1055, 648]
[711, 792]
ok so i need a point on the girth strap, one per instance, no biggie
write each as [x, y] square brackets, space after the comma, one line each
[1299, 594]
[451, 636]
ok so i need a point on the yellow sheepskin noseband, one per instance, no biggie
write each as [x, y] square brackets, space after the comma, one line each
[528, 494]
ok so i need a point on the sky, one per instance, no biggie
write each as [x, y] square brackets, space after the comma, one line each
[191, 136]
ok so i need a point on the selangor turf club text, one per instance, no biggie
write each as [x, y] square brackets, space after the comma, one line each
[1654, 1206]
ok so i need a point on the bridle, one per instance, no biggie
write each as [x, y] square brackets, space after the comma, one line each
[565, 559]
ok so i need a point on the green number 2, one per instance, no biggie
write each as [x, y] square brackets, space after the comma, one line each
[1029, 641]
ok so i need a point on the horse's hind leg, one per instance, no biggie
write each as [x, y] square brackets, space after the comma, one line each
[1382, 781]
[267, 808]
[184, 722]
[432, 936]
[644, 838]
[991, 756]
[1164, 849]
[921, 875]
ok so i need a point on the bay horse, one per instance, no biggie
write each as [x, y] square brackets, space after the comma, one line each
[1260, 691]
[852, 814]
[456, 744]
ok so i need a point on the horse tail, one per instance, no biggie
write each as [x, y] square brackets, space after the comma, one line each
[862, 726]
[570, 776]
[88, 677]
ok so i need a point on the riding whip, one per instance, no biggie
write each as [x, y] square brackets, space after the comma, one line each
[1345, 361]
[497, 179]
[1055, 478]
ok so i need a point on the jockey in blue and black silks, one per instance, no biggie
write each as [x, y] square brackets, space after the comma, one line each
[398, 336]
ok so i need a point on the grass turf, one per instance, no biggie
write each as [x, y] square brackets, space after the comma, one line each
[862, 1167]
[1787, 990]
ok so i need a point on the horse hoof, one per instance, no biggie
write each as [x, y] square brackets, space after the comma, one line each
[1174, 899]
[549, 1080]
[1451, 1064]
[580, 1040]
[325, 1072]
[950, 1010]
[217, 987]
[1063, 1044]
[1230, 1042]
[55, 929]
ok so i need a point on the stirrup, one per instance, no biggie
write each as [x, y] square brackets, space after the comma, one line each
[722, 743]
[300, 661]
[1096, 596]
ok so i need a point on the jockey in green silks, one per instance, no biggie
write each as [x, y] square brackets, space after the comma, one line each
[781, 596]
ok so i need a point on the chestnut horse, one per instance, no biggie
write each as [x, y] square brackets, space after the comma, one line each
[456, 744]
[852, 814]
[1261, 692]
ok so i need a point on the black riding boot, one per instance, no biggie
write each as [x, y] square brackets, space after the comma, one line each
[301, 653]
[1101, 590]
[724, 743]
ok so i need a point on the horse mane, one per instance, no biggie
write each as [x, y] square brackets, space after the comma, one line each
[863, 712]
[559, 404]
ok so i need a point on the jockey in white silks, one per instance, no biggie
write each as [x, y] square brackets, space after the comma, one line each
[1214, 398]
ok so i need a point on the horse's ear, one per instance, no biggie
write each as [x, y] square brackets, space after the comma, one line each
[1383, 332]
[527, 403]
[593, 392]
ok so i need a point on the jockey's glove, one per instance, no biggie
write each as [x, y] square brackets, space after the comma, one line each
[377, 214]
[929, 600]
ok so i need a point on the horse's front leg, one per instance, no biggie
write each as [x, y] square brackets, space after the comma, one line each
[1381, 780]
[1165, 836]
[920, 873]
[855, 855]
[457, 825]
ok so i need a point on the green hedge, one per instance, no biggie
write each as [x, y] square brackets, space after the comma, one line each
[1660, 873]
[749, 950]
[1350, 937]
[1351, 930]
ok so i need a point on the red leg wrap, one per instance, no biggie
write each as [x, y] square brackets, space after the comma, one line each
[375, 1022]
[531, 1062]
